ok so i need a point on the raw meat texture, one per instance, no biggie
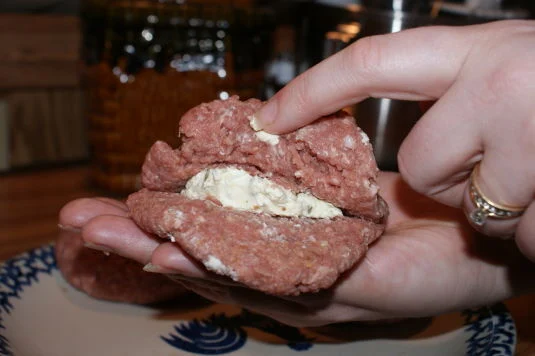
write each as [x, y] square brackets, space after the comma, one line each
[331, 158]
[281, 256]
[111, 277]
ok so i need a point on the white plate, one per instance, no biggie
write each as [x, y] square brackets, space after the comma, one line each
[41, 315]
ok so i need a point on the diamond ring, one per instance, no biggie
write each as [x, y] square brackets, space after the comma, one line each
[486, 208]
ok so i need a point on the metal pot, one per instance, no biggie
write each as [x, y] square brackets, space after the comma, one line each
[387, 122]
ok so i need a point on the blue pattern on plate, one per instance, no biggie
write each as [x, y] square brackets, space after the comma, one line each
[213, 336]
[492, 330]
[220, 334]
[18, 273]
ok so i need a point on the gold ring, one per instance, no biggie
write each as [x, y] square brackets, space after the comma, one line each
[486, 208]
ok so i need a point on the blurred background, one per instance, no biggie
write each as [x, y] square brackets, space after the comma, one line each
[97, 81]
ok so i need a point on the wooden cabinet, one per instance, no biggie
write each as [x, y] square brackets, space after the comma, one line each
[41, 100]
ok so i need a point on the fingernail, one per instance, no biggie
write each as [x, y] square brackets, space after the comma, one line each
[184, 266]
[97, 247]
[149, 267]
[69, 228]
[265, 116]
[152, 268]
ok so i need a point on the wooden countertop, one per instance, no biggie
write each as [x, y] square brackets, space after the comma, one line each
[30, 202]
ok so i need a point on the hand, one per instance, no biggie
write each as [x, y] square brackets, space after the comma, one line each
[428, 261]
[483, 78]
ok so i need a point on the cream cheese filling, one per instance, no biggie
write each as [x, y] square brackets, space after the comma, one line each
[237, 189]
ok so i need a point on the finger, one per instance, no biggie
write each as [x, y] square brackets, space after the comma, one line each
[441, 150]
[77, 213]
[485, 116]
[170, 259]
[299, 311]
[119, 204]
[377, 66]
[425, 105]
[121, 236]
[525, 236]
[488, 225]
[408, 208]
[284, 310]
[503, 179]
[279, 309]
[215, 293]
[304, 310]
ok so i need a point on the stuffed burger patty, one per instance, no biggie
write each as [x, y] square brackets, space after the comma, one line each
[283, 214]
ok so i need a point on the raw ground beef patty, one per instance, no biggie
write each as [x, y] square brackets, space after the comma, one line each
[111, 277]
[332, 159]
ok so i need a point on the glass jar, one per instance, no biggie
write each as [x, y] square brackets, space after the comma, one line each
[155, 60]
